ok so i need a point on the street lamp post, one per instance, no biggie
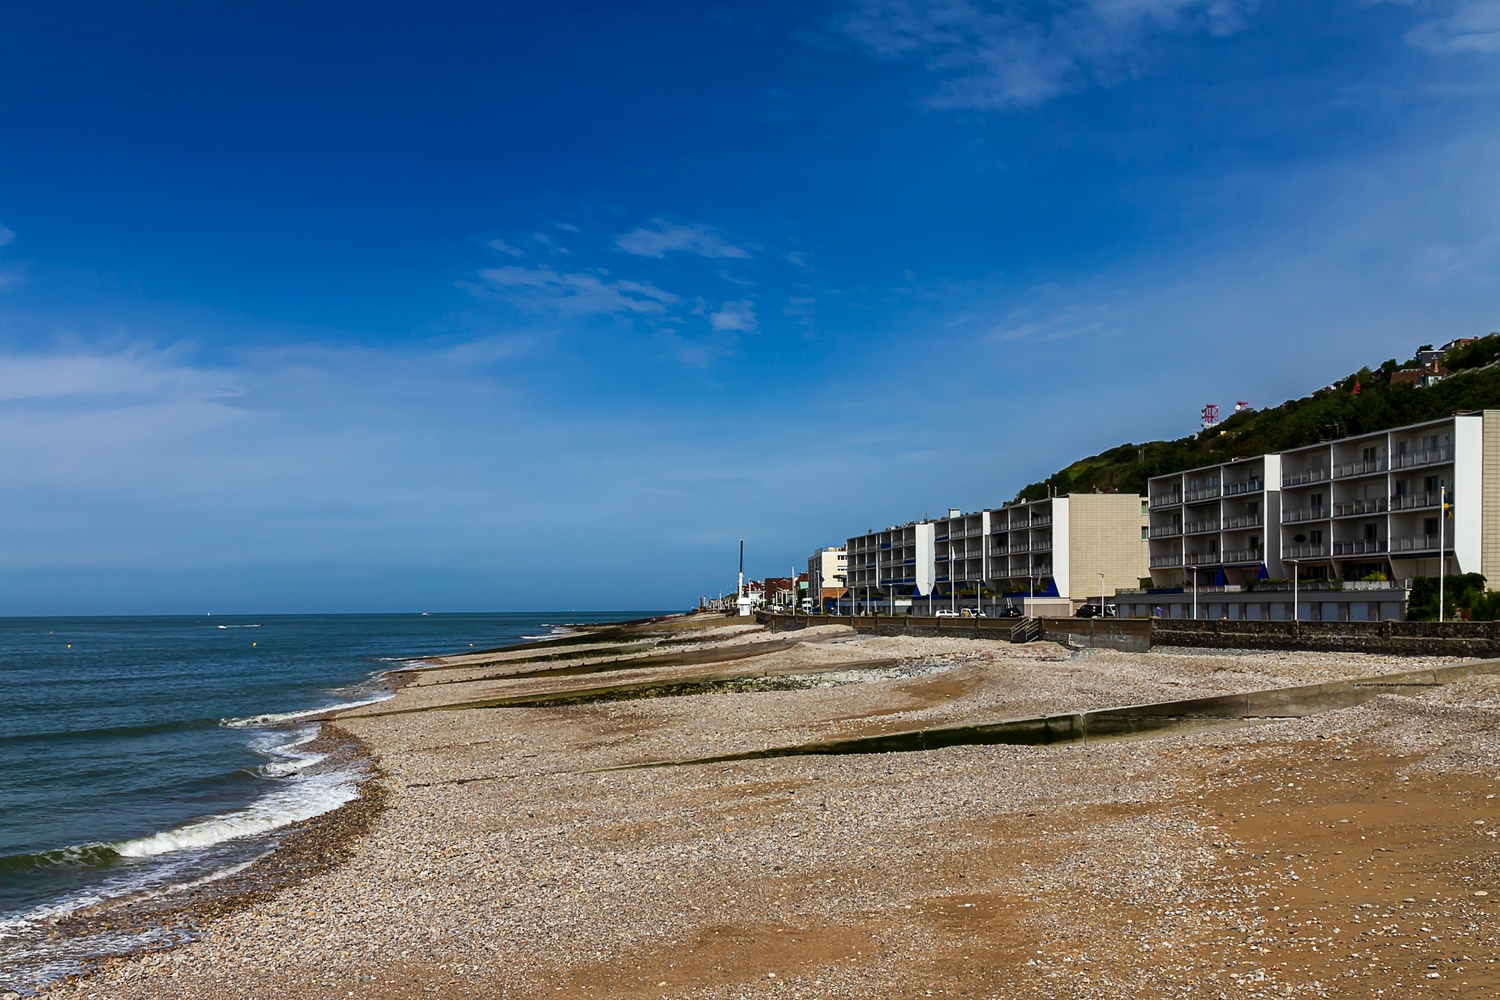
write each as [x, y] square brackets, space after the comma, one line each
[1296, 575]
[1195, 591]
[1101, 595]
[1442, 545]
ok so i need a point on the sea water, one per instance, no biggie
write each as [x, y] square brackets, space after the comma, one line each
[140, 755]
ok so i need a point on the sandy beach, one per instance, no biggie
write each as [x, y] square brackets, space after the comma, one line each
[510, 844]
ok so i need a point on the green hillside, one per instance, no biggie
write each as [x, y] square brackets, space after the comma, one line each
[1365, 401]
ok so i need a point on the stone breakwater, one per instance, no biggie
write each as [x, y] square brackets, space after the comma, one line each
[497, 854]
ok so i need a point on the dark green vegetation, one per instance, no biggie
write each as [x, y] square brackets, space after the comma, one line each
[1464, 598]
[1363, 402]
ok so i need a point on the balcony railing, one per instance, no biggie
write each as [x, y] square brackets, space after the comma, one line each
[1343, 470]
[1415, 543]
[1254, 554]
[1205, 493]
[1042, 569]
[1244, 521]
[1162, 562]
[1020, 547]
[1305, 514]
[1202, 559]
[1305, 477]
[1166, 531]
[1200, 527]
[1426, 456]
[1369, 505]
[1416, 501]
[1248, 486]
[1372, 547]
[1304, 551]
[1166, 499]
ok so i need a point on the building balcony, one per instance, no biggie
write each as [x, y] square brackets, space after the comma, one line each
[1304, 551]
[1037, 522]
[1344, 470]
[1417, 501]
[1166, 499]
[1305, 514]
[1374, 546]
[1165, 562]
[1239, 489]
[1205, 493]
[1200, 527]
[1354, 508]
[1416, 543]
[1042, 569]
[1197, 559]
[1244, 521]
[1305, 477]
[1427, 456]
[1250, 555]
[1166, 531]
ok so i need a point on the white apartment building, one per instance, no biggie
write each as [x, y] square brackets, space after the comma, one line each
[1338, 510]
[1373, 503]
[827, 574]
[1055, 548]
[886, 569]
[1218, 522]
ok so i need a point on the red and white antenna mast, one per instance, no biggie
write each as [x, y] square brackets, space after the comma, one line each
[1243, 404]
[1210, 415]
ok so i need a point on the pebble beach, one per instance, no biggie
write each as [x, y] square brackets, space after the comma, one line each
[537, 823]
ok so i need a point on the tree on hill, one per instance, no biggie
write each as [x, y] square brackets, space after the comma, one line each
[1363, 402]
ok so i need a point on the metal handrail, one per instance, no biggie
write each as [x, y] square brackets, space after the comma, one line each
[1361, 468]
[1415, 543]
[1426, 456]
[1416, 501]
[1369, 505]
[1305, 514]
[1305, 477]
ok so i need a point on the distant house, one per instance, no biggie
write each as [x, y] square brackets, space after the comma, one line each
[1430, 372]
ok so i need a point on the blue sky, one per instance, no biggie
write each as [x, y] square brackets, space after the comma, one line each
[465, 307]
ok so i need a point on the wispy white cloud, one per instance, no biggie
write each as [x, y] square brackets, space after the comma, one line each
[1012, 54]
[1473, 26]
[737, 316]
[801, 307]
[577, 293]
[504, 247]
[5, 235]
[135, 374]
[668, 237]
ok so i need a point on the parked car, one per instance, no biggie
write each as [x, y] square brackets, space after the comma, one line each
[1011, 611]
[947, 613]
[1089, 611]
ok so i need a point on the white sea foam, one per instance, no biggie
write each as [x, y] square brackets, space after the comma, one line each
[307, 796]
[279, 718]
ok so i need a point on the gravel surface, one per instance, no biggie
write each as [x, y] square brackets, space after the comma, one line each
[506, 864]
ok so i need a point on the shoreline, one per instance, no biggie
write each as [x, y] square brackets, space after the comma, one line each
[498, 856]
[165, 919]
